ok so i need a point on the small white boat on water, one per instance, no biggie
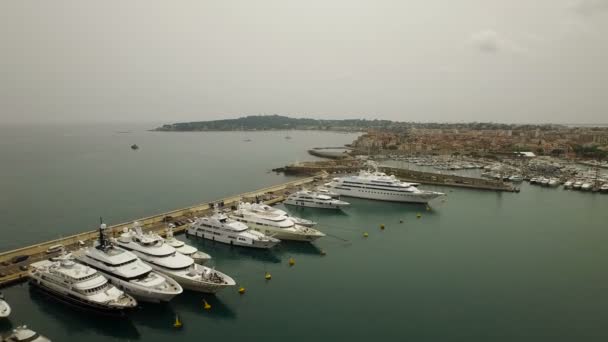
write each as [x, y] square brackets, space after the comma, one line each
[5, 309]
[313, 199]
[604, 188]
[533, 180]
[586, 186]
[23, 334]
[553, 182]
[568, 185]
[516, 178]
[185, 249]
[577, 185]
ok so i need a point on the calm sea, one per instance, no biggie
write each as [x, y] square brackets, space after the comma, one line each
[479, 266]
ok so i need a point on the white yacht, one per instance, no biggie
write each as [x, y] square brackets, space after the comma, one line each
[185, 249]
[23, 334]
[568, 184]
[516, 178]
[219, 227]
[312, 199]
[152, 249]
[553, 182]
[79, 284]
[274, 223]
[604, 188]
[266, 209]
[326, 191]
[379, 186]
[127, 272]
[5, 309]
[586, 186]
[577, 185]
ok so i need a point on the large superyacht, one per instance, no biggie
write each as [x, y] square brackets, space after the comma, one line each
[153, 250]
[185, 249]
[221, 228]
[273, 223]
[127, 272]
[379, 186]
[78, 284]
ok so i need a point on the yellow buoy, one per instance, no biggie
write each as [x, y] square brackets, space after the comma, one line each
[206, 305]
[178, 323]
[381, 226]
[428, 208]
[365, 234]
[322, 252]
[419, 215]
[291, 262]
[267, 276]
[400, 221]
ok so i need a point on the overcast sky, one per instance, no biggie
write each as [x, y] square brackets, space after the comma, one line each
[408, 60]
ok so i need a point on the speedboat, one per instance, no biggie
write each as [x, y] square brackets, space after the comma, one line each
[221, 228]
[5, 309]
[533, 180]
[78, 284]
[577, 185]
[127, 272]
[185, 249]
[152, 249]
[274, 224]
[544, 181]
[312, 199]
[568, 185]
[604, 188]
[379, 186]
[553, 182]
[23, 334]
[586, 186]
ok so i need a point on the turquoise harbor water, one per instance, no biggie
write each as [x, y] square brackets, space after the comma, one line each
[479, 266]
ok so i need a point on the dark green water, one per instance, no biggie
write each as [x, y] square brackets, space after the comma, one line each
[480, 266]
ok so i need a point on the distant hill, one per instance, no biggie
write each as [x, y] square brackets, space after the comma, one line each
[275, 122]
[278, 122]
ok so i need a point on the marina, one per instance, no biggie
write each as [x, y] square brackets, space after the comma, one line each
[418, 248]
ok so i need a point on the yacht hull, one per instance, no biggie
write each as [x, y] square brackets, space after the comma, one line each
[281, 234]
[381, 195]
[316, 205]
[228, 241]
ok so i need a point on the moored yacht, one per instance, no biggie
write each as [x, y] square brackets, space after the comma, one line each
[586, 186]
[266, 209]
[568, 184]
[553, 182]
[152, 249]
[23, 334]
[312, 199]
[327, 192]
[379, 186]
[221, 228]
[185, 249]
[5, 309]
[78, 284]
[127, 272]
[604, 188]
[577, 185]
[274, 223]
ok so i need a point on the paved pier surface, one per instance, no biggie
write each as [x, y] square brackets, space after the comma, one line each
[12, 270]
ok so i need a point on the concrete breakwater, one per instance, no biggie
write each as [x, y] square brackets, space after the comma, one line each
[14, 264]
[350, 166]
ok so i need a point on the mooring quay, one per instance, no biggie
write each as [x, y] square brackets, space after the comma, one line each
[14, 264]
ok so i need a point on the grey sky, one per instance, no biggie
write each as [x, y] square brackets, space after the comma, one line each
[411, 60]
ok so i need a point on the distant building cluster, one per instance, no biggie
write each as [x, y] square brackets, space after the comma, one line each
[558, 141]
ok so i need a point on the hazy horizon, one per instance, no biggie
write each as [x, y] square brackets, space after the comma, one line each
[420, 61]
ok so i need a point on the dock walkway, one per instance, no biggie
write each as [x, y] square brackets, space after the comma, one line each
[14, 264]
